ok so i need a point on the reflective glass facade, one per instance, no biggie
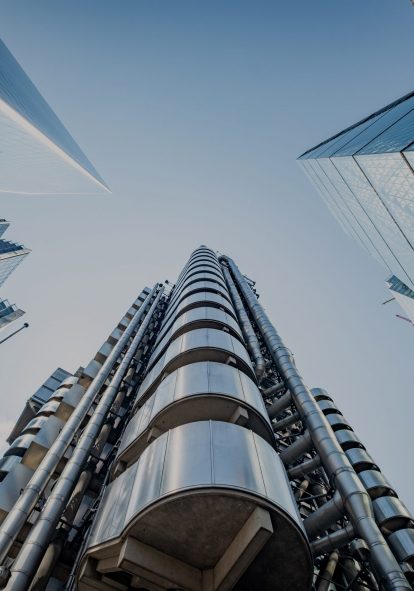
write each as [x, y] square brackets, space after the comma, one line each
[11, 255]
[33, 139]
[365, 174]
[8, 313]
[4, 224]
[404, 296]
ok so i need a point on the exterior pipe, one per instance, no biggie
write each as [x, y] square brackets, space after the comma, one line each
[54, 550]
[305, 468]
[274, 390]
[337, 539]
[327, 514]
[355, 498]
[18, 515]
[279, 405]
[302, 445]
[286, 422]
[246, 326]
[329, 572]
[39, 537]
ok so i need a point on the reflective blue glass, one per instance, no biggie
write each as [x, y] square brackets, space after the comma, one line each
[393, 139]
[379, 126]
[19, 92]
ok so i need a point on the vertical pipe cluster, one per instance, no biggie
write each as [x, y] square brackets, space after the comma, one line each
[34, 545]
[354, 496]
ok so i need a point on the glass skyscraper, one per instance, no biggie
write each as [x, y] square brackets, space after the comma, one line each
[34, 141]
[365, 174]
[11, 255]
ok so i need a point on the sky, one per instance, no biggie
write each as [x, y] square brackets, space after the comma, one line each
[194, 114]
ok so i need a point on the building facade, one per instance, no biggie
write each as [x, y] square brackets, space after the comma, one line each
[38, 400]
[189, 455]
[33, 140]
[8, 313]
[11, 255]
[365, 175]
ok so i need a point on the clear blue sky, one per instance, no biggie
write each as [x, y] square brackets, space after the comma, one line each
[194, 113]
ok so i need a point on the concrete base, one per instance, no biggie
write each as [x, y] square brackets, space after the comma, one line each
[157, 571]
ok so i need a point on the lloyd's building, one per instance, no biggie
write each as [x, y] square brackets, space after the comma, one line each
[365, 175]
[189, 455]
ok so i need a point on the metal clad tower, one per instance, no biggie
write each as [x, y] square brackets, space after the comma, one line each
[189, 455]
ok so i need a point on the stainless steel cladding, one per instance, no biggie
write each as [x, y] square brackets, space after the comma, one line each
[198, 454]
[189, 455]
[221, 487]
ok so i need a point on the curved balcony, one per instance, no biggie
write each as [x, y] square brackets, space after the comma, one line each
[195, 392]
[206, 289]
[202, 344]
[209, 305]
[206, 506]
[198, 298]
[192, 284]
[198, 263]
[200, 317]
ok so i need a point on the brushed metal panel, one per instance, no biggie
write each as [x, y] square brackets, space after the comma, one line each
[188, 457]
[252, 395]
[375, 483]
[235, 458]
[360, 459]
[192, 379]
[110, 519]
[328, 407]
[276, 483]
[347, 439]
[402, 544]
[225, 379]
[391, 514]
[147, 484]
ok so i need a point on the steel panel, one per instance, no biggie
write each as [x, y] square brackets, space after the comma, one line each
[235, 458]
[402, 544]
[147, 484]
[275, 479]
[192, 379]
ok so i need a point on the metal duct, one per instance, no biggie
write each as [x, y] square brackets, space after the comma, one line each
[286, 422]
[355, 498]
[36, 542]
[274, 390]
[317, 522]
[296, 449]
[279, 405]
[338, 538]
[246, 326]
[17, 517]
[305, 468]
[329, 572]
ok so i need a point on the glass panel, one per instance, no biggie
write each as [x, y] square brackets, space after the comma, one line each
[394, 247]
[393, 180]
[361, 224]
[378, 126]
[393, 139]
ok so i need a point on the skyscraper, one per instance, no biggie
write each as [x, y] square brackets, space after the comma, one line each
[33, 141]
[11, 255]
[38, 400]
[189, 454]
[8, 313]
[365, 174]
